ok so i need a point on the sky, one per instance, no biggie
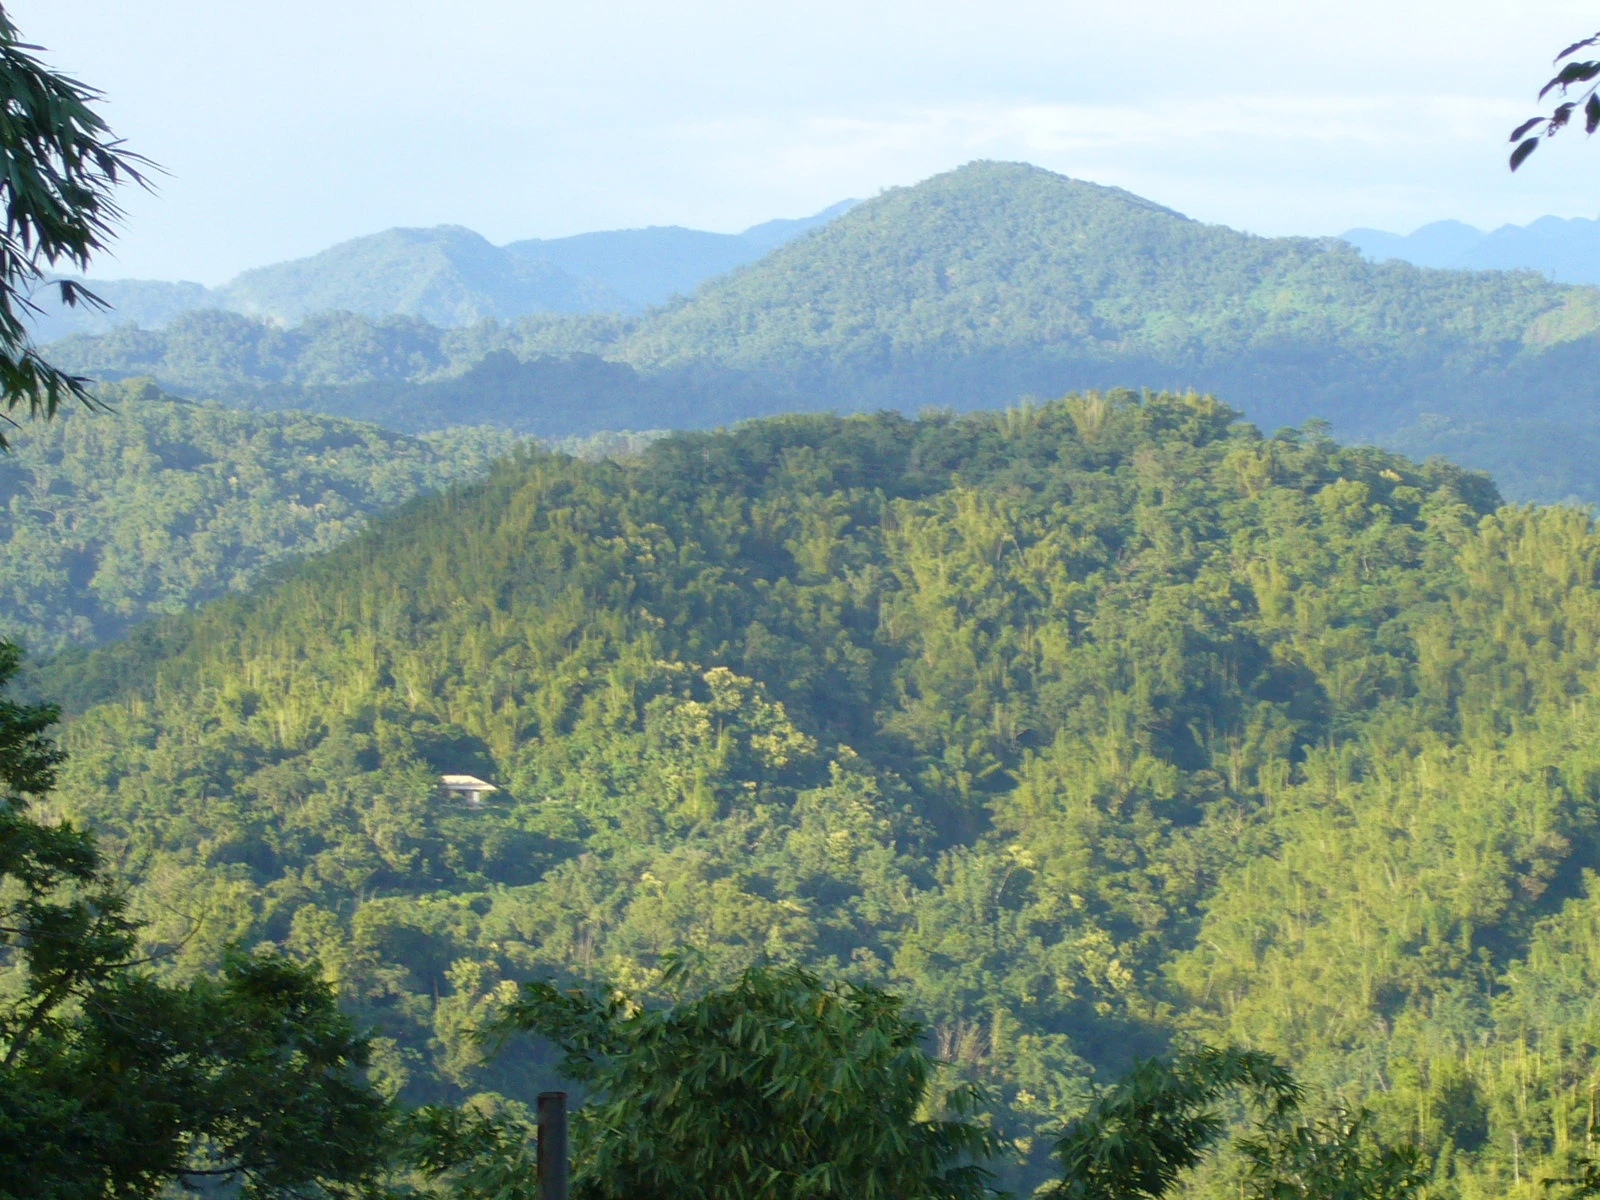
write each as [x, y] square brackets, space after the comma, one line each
[286, 127]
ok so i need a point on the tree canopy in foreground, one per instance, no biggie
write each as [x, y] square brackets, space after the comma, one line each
[115, 1084]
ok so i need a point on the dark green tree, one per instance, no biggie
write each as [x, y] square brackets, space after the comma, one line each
[1165, 1116]
[470, 1155]
[777, 1087]
[1161, 1119]
[62, 167]
[1335, 1157]
[113, 1084]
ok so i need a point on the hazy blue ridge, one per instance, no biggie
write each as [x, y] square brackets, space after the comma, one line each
[774, 233]
[640, 266]
[646, 267]
[1565, 249]
[970, 290]
[447, 275]
[149, 303]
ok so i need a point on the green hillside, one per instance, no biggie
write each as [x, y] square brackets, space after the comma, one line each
[981, 284]
[447, 275]
[553, 378]
[110, 519]
[968, 291]
[1082, 725]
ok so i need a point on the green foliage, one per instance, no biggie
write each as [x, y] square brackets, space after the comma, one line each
[1160, 1120]
[113, 1084]
[1336, 1157]
[28, 756]
[971, 289]
[252, 1079]
[1585, 1183]
[776, 1087]
[1080, 726]
[62, 169]
[470, 1154]
[151, 508]
[258, 363]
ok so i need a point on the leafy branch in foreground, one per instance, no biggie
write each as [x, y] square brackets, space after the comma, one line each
[1571, 73]
[777, 1086]
[61, 167]
[1163, 1117]
[471, 1155]
[1160, 1120]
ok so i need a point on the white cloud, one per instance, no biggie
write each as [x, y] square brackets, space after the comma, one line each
[1272, 163]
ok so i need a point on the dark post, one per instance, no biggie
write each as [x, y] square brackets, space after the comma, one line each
[552, 1146]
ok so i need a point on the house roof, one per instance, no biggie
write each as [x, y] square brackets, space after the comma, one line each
[466, 783]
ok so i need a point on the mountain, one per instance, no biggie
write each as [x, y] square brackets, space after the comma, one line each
[1001, 279]
[447, 275]
[1567, 250]
[1084, 726]
[970, 290]
[149, 303]
[770, 234]
[646, 267]
[109, 519]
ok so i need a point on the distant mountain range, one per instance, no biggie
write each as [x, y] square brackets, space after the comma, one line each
[1565, 249]
[449, 276]
[970, 290]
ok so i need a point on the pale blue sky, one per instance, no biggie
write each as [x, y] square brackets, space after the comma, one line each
[291, 125]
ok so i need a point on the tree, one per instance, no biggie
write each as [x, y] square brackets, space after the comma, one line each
[61, 170]
[1335, 1157]
[777, 1087]
[470, 1154]
[1582, 1184]
[1160, 1119]
[1570, 73]
[113, 1084]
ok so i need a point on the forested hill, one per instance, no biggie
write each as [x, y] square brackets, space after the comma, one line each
[447, 275]
[112, 518]
[998, 279]
[1082, 725]
[970, 290]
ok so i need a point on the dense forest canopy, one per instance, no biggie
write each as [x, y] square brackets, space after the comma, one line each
[1082, 725]
[970, 290]
[112, 518]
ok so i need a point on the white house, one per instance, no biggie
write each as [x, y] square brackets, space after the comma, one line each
[468, 786]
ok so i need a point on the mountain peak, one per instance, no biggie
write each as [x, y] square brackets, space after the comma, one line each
[984, 173]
